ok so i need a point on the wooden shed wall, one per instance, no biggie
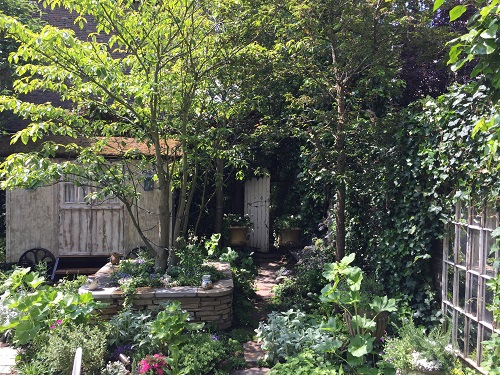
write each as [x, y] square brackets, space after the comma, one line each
[33, 220]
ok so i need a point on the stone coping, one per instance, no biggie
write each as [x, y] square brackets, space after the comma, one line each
[220, 288]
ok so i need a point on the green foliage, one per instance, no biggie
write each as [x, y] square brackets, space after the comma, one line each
[301, 289]
[288, 222]
[288, 333]
[244, 271]
[115, 368]
[344, 292]
[128, 326]
[192, 265]
[236, 220]
[34, 367]
[134, 273]
[22, 10]
[349, 297]
[306, 362]
[480, 46]
[201, 353]
[61, 343]
[34, 307]
[416, 348]
[71, 286]
[491, 347]
[161, 85]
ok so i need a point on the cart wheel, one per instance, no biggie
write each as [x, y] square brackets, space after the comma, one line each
[35, 256]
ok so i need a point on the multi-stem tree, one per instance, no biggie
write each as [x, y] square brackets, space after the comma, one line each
[345, 51]
[145, 73]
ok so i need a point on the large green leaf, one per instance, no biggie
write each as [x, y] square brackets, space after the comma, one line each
[360, 345]
[437, 4]
[380, 304]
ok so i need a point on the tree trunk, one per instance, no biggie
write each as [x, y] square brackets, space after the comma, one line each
[219, 191]
[341, 168]
[162, 252]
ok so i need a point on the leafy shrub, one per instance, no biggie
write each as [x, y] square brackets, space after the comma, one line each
[62, 342]
[288, 333]
[33, 307]
[138, 272]
[192, 266]
[66, 285]
[417, 347]
[115, 368]
[201, 354]
[301, 289]
[306, 363]
[33, 367]
[127, 326]
[244, 271]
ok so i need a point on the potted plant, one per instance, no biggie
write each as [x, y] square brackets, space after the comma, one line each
[237, 227]
[289, 230]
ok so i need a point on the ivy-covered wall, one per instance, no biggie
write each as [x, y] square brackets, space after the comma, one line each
[422, 161]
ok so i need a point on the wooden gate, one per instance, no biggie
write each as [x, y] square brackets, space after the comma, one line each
[257, 198]
[88, 227]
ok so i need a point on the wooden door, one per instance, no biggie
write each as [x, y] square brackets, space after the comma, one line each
[257, 200]
[88, 227]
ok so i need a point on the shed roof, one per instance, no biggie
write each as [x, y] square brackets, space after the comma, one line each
[115, 146]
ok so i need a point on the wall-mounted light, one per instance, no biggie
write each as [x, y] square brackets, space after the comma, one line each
[149, 184]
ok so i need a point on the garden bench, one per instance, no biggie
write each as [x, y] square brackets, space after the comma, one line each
[71, 265]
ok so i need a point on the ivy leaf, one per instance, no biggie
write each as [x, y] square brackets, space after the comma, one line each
[490, 33]
[496, 233]
[457, 11]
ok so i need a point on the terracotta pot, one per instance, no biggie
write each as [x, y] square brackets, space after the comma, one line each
[290, 237]
[237, 236]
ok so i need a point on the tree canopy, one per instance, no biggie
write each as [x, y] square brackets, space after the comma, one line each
[148, 72]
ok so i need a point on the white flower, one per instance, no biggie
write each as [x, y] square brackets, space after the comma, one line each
[424, 364]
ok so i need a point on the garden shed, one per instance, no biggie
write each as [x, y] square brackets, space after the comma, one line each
[60, 219]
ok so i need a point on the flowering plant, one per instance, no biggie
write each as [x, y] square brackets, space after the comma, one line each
[237, 220]
[288, 222]
[154, 365]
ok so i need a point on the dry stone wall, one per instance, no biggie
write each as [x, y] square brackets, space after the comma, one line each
[213, 306]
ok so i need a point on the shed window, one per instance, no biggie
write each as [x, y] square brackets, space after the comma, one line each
[78, 194]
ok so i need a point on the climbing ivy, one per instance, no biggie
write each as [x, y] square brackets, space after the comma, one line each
[420, 162]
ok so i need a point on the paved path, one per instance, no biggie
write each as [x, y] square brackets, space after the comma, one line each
[7, 359]
[269, 264]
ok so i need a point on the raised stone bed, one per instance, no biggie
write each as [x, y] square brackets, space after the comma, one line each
[213, 306]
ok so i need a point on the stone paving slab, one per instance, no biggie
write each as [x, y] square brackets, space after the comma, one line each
[251, 371]
[7, 359]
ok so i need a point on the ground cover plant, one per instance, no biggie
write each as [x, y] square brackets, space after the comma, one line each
[63, 320]
[50, 321]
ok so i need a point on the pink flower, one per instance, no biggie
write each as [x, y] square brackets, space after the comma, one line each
[156, 364]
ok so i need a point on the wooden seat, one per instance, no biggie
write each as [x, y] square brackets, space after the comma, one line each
[74, 265]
